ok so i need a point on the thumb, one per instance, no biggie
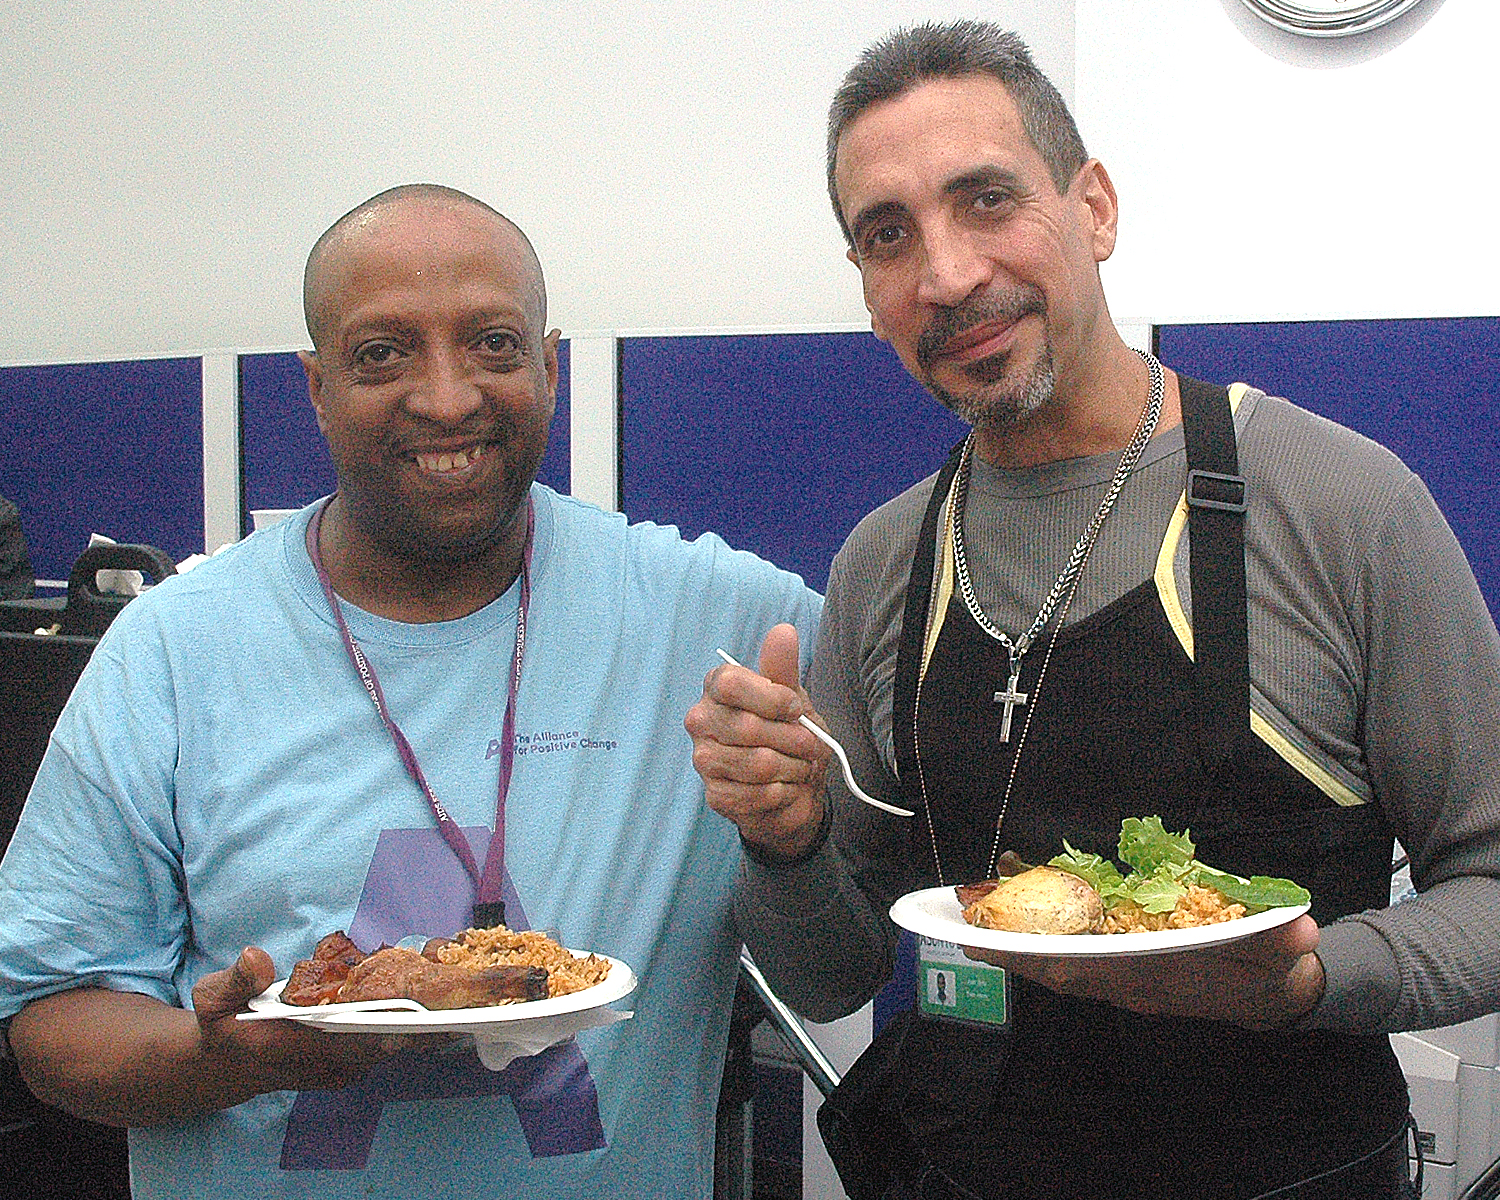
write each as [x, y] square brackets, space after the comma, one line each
[222, 992]
[779, 658]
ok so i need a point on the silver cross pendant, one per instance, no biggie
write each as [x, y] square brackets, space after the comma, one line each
[1010, 697]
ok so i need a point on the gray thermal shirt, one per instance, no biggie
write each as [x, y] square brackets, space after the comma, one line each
[1375, 670]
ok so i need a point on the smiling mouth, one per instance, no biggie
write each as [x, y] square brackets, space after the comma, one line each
[448, 462]
[978, 342]
[978, 329]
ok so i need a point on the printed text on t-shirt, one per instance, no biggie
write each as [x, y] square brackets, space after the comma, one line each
[553, 741]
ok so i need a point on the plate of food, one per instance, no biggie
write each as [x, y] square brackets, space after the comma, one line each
[1081, 904]
[476, 981]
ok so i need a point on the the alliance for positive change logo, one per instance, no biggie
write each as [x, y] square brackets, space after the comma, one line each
[553, 741]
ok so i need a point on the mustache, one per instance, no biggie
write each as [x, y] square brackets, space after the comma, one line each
[950, 322]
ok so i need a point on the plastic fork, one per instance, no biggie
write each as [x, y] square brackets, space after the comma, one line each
[832, 743]
[318, 1012]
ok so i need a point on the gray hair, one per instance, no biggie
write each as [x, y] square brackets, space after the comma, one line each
[920, 53]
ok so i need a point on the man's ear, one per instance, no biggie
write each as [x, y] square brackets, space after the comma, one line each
[549, 355]
[314, 371]
[1098, 193]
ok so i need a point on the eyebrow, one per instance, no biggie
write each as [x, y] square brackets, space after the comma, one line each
[978, 178]
[384, 325]
[973, 180]
[400, 324]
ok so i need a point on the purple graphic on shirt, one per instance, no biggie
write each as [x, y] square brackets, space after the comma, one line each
[417, 886]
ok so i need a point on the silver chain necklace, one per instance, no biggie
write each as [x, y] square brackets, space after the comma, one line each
[1015, 759]
[1145, 427]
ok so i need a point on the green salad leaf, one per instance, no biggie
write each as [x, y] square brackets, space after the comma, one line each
[1145, 845]
[1261, 892]
[1163, 865]
[1098, 872]
[1156, 893]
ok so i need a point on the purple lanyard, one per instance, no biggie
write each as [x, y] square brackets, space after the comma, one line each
[487, 883]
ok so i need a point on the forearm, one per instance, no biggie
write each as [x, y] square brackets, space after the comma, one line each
[1430, 961]
[818, 929]
[818, 939]
[122, 1059]
[1432, 708]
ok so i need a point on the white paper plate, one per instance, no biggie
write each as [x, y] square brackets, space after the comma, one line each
[620, 982]
[936, 913]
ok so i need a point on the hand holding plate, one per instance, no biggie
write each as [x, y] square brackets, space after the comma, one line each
[1267, 980]
[272, 1055]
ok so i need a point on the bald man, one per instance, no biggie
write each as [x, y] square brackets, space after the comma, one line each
[443, 691]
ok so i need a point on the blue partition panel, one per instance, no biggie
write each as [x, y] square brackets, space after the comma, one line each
[284, 459]
[111, 448]
[1428, 389]
[779, 442]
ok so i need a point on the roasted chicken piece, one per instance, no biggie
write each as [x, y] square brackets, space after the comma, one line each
[431, 947]
[1041, 900]
[967, 893]
[314, 981]
[1009, 864]
[317, 980]
[336, 947]
[339, 971]
[404, 974]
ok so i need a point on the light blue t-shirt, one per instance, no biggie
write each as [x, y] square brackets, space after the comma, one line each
[220, 779]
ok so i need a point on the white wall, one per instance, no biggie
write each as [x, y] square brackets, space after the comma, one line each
[1266, 176]
[167, 165]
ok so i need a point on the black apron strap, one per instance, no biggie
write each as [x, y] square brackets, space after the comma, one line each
[914, 631]
[1216, 495]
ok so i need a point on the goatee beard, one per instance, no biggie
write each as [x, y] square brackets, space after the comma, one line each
[993, 406]
[990, 403]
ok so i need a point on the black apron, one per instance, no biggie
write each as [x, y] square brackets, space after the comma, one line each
[1075, 1097]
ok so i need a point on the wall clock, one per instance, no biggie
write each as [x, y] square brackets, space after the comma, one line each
[1328, 18]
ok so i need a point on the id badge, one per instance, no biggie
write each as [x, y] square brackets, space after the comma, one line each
[953, 987]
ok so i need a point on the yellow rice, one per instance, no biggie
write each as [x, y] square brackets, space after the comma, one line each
[1201, 906]
[502, 947]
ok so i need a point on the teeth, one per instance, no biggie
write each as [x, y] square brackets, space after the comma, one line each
[455, 460]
